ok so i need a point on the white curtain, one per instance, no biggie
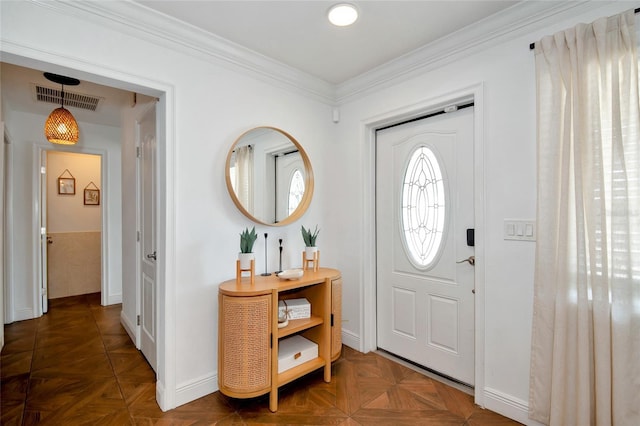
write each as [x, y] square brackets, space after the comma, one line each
[585, 360]
[244, 176]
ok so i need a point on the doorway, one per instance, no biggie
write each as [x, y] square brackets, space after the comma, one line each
[147, 201]
[424, 211]
[289, 182]
[72, 217]
[424, 207]
[368, 328]
[119, 242]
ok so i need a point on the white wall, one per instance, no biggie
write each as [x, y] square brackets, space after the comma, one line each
[507, 73]
[214, 103]
[27, 140]
[2, 234]
[212, 106]
[68, 213]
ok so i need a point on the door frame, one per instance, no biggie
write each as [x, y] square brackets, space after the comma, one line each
[39, 151]
[7, 240]
[139, 253]
[166, 392]
[368, 320]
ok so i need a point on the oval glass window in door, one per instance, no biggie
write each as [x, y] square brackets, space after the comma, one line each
[296, 191]
[424, 208]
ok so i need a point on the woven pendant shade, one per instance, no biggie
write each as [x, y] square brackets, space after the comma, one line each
[61, 127]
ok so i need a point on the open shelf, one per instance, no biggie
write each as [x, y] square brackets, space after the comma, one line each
[248, 329]
[297, 325]
[300, 370]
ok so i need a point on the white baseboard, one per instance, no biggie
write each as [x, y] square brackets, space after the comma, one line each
[195, 389]
[192, 390]
[494, 400]
[23, 314]
[160, 396]
[508, 406]
[351, 340]
[114, 299]
[129, 326]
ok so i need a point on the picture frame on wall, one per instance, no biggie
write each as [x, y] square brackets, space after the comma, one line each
[66, 186]
[66, 183]
[91, 197]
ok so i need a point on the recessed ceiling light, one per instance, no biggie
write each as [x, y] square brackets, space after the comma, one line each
[343, 14]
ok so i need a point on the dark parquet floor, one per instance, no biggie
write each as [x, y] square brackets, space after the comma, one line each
[77, 366]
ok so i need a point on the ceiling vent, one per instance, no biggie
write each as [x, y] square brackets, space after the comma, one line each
[71, 99]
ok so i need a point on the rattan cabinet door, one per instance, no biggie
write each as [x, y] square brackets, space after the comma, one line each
[245, 353]
[336, 312]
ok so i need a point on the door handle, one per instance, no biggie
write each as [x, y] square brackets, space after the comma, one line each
[152, 256]
[470, 259]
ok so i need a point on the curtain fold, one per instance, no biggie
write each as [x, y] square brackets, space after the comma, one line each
[585, 359]
[244, 176]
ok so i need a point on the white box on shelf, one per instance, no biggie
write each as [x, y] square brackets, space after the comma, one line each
[296, 308]
[294, 351]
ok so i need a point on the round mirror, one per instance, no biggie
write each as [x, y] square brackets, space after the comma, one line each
[269, 176]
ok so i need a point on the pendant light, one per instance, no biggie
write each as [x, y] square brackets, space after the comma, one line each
[61, 127]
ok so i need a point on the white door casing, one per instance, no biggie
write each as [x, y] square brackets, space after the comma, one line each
[425, 313]
[147, 312]
[38, 59]
[44, 302]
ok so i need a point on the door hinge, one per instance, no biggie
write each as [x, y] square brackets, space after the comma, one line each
[138, 236]
[271, 340]
[43, 170]
[331, 320]
[138, 152]
[138, 319]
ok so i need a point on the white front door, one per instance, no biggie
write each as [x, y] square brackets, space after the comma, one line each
[424, 206]
[286, 167]
[147, 216]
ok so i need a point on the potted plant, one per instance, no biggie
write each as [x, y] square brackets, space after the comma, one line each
[310, 241]
[247, 239]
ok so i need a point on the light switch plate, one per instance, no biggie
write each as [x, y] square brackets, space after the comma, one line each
[520, 229]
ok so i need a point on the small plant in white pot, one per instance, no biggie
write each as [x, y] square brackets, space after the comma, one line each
[310, 241]
[247, 239]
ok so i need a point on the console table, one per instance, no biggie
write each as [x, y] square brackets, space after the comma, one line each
[248, 332]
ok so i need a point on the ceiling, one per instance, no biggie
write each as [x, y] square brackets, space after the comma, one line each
[18, 94]
[295, 33]
[298, 33]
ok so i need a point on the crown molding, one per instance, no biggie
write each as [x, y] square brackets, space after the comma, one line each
[142, 22]
[520, 19]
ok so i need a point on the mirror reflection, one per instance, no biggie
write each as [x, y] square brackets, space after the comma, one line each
[269, 176]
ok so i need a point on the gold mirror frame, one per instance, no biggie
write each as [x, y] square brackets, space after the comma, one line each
[308, 180]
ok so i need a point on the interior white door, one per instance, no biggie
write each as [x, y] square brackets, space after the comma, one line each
[424, 205]
[44, 239]
[288, 183]
[147, 216]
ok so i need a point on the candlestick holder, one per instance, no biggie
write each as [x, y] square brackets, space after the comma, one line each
[266, 274]
[280, 263]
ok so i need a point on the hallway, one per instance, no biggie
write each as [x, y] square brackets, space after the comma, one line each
[76, 365]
